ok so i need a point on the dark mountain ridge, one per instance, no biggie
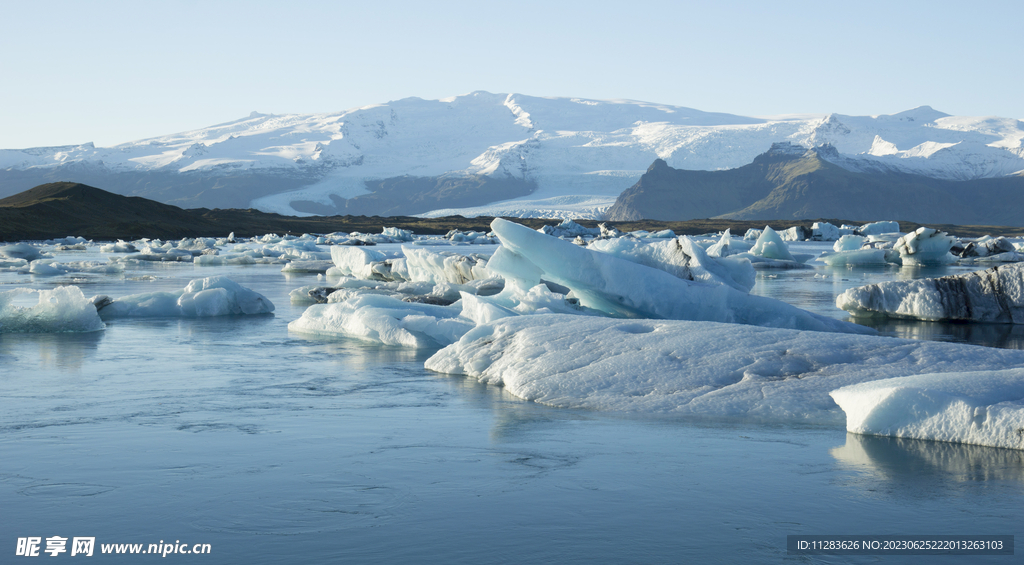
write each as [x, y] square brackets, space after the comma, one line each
[789, 183]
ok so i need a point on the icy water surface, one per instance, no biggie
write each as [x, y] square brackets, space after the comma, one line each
[277, 448]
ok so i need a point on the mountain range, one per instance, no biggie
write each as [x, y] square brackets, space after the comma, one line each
[790, 182]
[503, 154]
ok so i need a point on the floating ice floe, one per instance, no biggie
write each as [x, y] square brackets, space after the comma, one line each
[879, 228]
[729, 245]
[624, 289]
[24, 251]
[570, 229]
[387, 315]
[849, 242]
[52, 268]
[212, 296]
[698, 368]
[771, 252]
[926, 246]
[307, 267]
[993, 295]
[861, 257]
[977, 407]
[63, 309]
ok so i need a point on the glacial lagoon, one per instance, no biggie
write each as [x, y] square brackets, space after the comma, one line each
[278, 447]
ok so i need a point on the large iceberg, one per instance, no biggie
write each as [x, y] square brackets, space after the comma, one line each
[698, 368]
[926, 246]
[979, 407]
[62, 309]
[211, 296]
[993, 295]
[624, 289]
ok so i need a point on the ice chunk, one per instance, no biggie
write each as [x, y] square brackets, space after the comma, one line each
[824, 231]
[397, 234]
[992, 295]
[49, 268]
[681, 258]
[425, 265]
[569, 228]
[861, 257]
[849, 242]
[20, 251]
[978, 407]
[701, 368]
[355, 261]
[795, 233]
[384, 319]
[620, 288]
[63, 309]
[212, 296]
[729, 245]
[878, 228]
[986, 246]
[770, 246]
[307, 267]
[926, 246]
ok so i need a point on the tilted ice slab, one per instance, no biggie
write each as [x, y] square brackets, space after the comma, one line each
[695, 368]
[624, 289]
[63, 309]
[993, 295]
[212, 296]
[981, 407]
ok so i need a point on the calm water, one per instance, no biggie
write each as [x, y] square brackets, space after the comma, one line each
[277, 448]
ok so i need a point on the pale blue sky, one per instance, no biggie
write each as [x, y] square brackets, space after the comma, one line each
[112, 72]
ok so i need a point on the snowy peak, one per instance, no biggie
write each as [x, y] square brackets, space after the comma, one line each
[579, 153]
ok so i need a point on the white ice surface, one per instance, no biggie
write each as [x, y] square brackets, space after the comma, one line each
[699, 368]
[976, 407]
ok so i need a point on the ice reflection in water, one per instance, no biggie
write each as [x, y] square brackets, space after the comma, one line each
[904, 462]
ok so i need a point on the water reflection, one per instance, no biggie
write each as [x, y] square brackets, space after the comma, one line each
[910, 463]
[62, 351]
[1006, 336]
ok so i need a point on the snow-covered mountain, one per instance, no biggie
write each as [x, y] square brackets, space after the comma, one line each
[575, 155]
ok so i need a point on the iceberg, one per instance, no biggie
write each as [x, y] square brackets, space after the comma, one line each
[623, 289]
[993, 295]
[861, 257]
[926, 246]
[682, 258]
[694, 368]
[879, 228]
[849, 242]
[384, 319]
[977, 407]
[20, 251]
[211, 296]
[62, 309]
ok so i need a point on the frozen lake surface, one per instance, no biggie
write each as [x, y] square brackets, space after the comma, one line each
[275, 447]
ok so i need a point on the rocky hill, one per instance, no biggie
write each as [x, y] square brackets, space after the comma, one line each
[789, 182]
